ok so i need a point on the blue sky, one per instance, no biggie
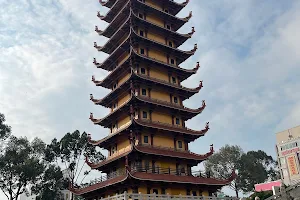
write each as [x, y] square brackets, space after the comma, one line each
[249, 53]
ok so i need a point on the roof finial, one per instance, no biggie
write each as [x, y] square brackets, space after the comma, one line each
[212, 148]
[91, 97]
[195, 47]
[201, 84]
[197, 66]
[95, 62]
[207, 126]
[91, 116]
[203, 103]
[93, 78]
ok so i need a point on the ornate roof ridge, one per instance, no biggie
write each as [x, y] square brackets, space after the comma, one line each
[171, 152]
[181, 179]
[171, 127]
[100, 32]
[197, 89]
[110, 159]
[103, 17]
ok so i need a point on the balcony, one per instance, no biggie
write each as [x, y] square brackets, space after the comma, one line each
[126, 196]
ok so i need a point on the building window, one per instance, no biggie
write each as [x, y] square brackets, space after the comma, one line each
[163, 191]
[141, 33]
[155, 191]
[144, 92]
[146, 139]
[180, 144]
[113, 150]
[175, 100]
[177, 121]
[170, 44]
[194, 193]
[142, 51]
[115, 86]
[173, 80]
[145, 115]
[143, 71]
[172, 61]
[168, 26]
[115, 106]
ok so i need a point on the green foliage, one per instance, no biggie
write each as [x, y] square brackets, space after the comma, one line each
[69, 150]
[256, 167]
[261, 195]
[50, 184]
[222, 163]
[252, 167]
[5, 130]
[20, 165]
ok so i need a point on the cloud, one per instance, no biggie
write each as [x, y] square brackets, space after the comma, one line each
[248, 51]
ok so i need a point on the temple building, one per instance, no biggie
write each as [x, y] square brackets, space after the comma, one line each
[148, 141]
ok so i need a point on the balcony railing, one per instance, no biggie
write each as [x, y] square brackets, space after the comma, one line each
[103, 178]
[134, 196]
[171, 171]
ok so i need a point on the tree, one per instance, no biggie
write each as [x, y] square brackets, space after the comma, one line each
[70, 150]
[5, 131]
[51, 184]
[222, 163]
[256, 167]
[20, 165]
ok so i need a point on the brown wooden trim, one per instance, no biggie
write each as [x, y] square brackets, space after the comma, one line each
[171, 100]
[172, 119]
[149, 92]
[151, 139]
[148, 71]
[150, 114]
[175, 146]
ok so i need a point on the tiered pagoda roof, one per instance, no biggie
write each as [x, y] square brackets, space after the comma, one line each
[146, 98]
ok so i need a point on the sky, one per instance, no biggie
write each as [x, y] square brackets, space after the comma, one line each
[248, 50]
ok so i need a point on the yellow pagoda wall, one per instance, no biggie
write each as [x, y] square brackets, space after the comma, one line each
[123, 121]
[123, 79]
[161, 117]
[156, 37]
[164, 141]
[155, 94]
[157, 55]
[159, 74]
[155, 20]
[123, 99]
[153, 4]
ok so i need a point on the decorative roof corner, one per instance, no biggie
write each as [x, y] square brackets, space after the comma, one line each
[96, 63]
[98, 30]
[195, 48]
[99, 15]
[200, 85]
[192, 32]
[103, 2]
[99, 48]
[197, 67]
[189, 16]
[93, 119]
[95, 81]
[96, 101]
[184, 3]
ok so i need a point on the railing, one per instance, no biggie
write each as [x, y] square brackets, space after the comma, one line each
[103, 178]
[171, 171]
[134, 196]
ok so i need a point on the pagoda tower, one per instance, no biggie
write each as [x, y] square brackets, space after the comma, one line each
[148, 141]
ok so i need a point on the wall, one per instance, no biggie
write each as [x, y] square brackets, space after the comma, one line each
[157, 55]
[156, 37]
[154, 19]
[160, 140]
[161, 117]
[156, 94]
[159, 74]
[123, 79]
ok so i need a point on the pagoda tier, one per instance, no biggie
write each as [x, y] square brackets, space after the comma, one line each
[145, 7]
[111, 48]
[139, 180]
[173, 7]
[137, 124]
[137, 150]
[124, 68]
[154, 104]
[123, 50]
[136, 78]
[138, 58]
[129, 18]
